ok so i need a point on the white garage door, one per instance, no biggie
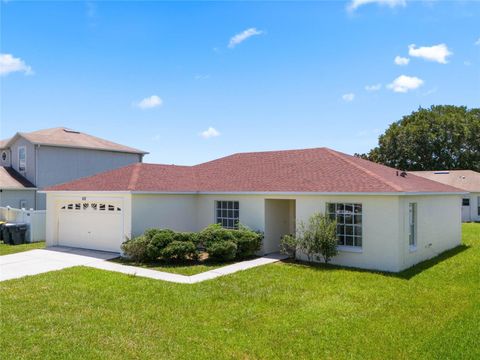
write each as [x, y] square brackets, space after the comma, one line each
[94, 225]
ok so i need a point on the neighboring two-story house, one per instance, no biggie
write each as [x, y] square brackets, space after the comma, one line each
[32, 161]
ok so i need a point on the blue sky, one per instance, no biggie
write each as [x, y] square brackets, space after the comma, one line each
[260, 76]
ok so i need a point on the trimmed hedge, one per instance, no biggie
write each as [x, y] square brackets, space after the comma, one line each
[180, 251]
[222, 250]
[136, 248]
[220, 244]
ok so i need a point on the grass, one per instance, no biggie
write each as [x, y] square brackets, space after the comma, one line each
[6, 249]
[283, 310]
[189, 268]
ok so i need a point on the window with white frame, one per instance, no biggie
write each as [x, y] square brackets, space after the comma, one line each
[227, 214]
[412, 225]
[349, 223]
[22, 158]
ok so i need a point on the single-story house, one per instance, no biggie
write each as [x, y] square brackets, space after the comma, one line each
[387, 219]
[467, 180]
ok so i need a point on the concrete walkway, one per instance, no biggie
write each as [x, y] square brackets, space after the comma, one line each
[56, 258]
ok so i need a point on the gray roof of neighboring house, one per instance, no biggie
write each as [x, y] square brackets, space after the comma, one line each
[64, 137]
[3, 143]
[10, 179]
[467, 180]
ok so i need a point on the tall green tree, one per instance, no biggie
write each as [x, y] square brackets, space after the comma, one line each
[443, 137]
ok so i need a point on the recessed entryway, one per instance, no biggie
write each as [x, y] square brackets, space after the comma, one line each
[279, 221]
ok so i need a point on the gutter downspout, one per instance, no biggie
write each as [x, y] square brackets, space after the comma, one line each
[36, 174]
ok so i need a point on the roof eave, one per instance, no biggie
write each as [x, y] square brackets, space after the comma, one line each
[284, 193]
[133, 151]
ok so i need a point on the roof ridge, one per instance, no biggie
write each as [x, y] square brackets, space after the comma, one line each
[368, 172]
[134, 177]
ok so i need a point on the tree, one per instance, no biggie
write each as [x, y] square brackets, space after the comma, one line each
[317, 237]
[443, 137]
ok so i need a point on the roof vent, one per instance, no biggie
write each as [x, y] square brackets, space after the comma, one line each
[403, 174]
[441, 172]
[71, 131]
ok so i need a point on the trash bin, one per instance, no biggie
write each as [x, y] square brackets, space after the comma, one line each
[18, 232]
[7, 235]
[1, 230]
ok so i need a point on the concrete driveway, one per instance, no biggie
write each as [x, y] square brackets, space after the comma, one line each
[39, 261]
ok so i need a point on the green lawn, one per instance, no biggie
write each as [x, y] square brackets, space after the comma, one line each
[11, 249]
[188, 269]
[277, 311]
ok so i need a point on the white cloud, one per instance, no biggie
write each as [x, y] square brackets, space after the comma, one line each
[477, 42]
[402, 61]
[244, 35]
[210, 132]
[438, 53]
[355, 4]
[10, 64]
[348, 97]
[374, 87]
[404, 83]
[150, 102]
[467, 63]
[202, 76]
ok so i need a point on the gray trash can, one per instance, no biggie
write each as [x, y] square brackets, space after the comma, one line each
[1, 230]
[18, 233]
[7, 234]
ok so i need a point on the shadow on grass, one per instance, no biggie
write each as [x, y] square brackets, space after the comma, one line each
[172, 264]
[406, 274]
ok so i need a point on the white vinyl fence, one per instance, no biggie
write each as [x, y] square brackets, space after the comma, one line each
[34, 218]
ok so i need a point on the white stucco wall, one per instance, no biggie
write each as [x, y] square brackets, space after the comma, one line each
[252, 210]
[385, 221]
[380, 229]
[439, 227]
[176, 212]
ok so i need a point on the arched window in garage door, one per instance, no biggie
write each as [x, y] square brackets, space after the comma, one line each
[91, 206]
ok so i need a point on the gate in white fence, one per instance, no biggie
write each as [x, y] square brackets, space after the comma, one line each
[34, 218]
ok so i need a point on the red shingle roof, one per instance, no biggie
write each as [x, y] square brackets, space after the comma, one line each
[309, 170]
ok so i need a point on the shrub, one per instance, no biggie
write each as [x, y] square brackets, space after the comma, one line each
[179, 251]
[160, 239]
[318, 237]
[213, 234]
[186, 236]
[150, 233]
[248, 241]
[222, 250]
[136, 248]
[288, 245]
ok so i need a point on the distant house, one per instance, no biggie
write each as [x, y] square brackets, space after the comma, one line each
[31, 161]
[386, 219]
[467, 180]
